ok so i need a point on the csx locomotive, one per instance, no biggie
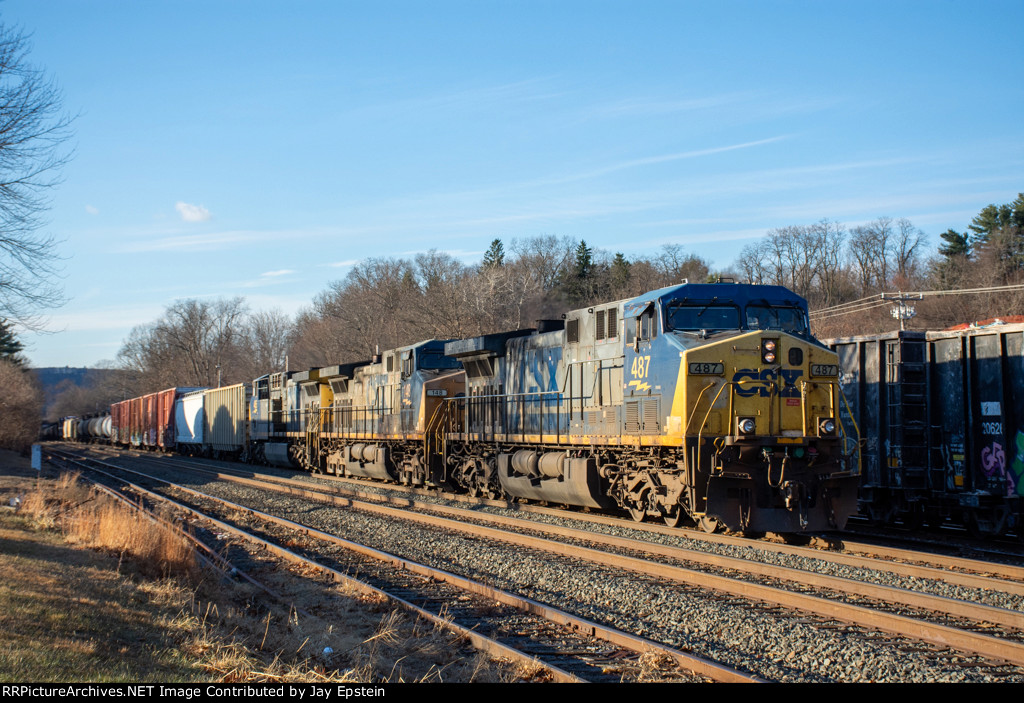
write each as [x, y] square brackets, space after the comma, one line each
[699, 402]
[703, 402]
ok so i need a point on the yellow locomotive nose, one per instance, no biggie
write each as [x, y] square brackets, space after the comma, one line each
[762, 432]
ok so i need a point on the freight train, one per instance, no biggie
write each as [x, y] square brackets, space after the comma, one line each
[942, 414]
[707, 403]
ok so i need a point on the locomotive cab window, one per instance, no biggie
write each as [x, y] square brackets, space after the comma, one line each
[692, 317]
[643, 326]
[430, 359]
[787, 319]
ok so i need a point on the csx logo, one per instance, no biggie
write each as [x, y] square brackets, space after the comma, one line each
[789, 379]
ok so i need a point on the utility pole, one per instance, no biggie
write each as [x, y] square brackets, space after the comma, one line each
[902, 311]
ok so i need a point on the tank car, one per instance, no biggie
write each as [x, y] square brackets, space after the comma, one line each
[707, 402]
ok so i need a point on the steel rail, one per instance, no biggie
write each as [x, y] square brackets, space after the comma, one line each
[911, 563]
[941, 562]
[480, 641]
[693, 663]
[208, 556]
[958, 608]
[984, 645]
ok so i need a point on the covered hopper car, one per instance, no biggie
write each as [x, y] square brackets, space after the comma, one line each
[942, 414]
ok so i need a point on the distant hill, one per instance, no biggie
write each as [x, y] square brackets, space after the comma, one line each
[57, 379]
[53, 375]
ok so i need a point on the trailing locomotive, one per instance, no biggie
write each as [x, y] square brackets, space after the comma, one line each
[703, 402]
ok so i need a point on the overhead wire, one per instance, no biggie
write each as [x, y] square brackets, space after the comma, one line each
[872, 302]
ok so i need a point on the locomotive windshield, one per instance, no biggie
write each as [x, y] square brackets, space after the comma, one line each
[762, 317]
[430, 359]
[690, 317]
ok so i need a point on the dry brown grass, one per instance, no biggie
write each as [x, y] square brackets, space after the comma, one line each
[230, 632]
[89, 518]
[118, 529]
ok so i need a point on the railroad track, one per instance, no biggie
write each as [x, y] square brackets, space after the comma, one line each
[736, 588]
[826, 554]
[503, 624]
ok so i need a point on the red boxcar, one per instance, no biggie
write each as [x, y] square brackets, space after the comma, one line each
[119, 422]
[147, 421]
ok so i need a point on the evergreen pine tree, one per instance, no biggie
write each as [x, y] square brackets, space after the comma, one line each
[495, 255]
[956, 244]
[584, 261]
[620, 274]
[10, 347]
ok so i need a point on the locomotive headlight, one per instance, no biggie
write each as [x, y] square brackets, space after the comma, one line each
[826, 426]
[745, 425]
[768, 350]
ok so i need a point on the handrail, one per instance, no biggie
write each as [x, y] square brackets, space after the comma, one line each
[856, 429]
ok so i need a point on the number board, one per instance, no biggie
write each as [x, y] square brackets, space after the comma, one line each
[702, 368]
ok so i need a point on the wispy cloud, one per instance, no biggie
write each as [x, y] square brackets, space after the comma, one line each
[105, 318]
[268, 278]
[470, 99]
[195, 242]
[637, 107]
[173, 240]
[92, 210]
[192, 213]
[664, 158]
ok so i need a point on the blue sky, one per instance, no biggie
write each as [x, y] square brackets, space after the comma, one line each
[259, 148]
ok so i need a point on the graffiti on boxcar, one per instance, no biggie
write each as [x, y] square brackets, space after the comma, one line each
[953, 459]
[993, 459]
[994, 465]
[1017, 468]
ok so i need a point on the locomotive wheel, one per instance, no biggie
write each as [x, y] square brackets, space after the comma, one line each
[674, 518]
[637, 514]
[708, 524]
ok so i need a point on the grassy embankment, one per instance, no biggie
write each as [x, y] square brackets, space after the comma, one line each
[92, 592]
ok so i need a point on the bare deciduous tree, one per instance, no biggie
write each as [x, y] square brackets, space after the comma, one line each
[33, 131]
[195, 343]
[870, 250]
[21, 407]
[265, 335]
